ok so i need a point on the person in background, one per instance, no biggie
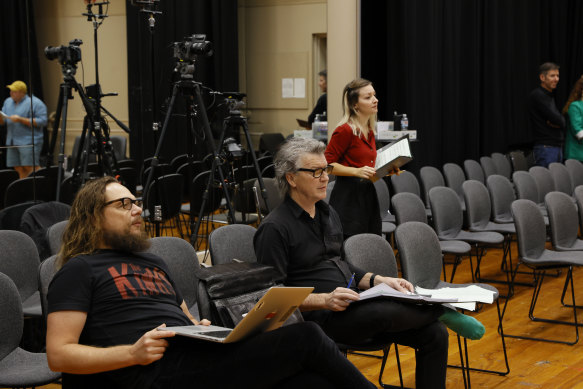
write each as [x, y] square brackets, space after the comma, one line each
[352, 152]
[322, 103]
[573, 109]
[21, 117]
[546, 122]
[110, 301]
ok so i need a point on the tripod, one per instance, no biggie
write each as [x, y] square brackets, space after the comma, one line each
[190, 90]
[65, 94]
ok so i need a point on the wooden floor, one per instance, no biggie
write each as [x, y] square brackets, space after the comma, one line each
[532, 364]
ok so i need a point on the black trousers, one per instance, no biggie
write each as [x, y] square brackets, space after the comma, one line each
[355, 200]
[298, 355]
[407, 324]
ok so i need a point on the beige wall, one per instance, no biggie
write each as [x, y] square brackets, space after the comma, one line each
[276, 39]
[58, 22]
[343, 53]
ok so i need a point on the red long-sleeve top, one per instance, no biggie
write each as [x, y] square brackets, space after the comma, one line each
[349, 150]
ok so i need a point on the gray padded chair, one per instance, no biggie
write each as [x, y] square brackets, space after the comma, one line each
[420, 260]
[274, 197]
[474, 170]
[409, 207]
[448, 221]
[407, 182]
[544, 181]
[527, 189]
[561, 178]
[519, 161]
[55, 236]
[182, 262]
[7, 176]
[46, 272]
[564, 222]
[19, 260]
[430, 177]
[531, 233]
[234, 241]
[488, 167]
[575, 169]
[375, 254]
[454, 178]
[479, 210]
[18, 368]
[502, 195]
[502, 164]
[578, 193]
[384, 199]
[329, 191]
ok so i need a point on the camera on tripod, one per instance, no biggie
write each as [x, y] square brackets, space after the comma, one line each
[67, 55]
[187, 51]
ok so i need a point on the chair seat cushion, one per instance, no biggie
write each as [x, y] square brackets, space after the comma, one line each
[23, 369]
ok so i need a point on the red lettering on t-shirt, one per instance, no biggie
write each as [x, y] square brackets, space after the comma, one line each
[121, 281]
[162, 283]
[148, 279]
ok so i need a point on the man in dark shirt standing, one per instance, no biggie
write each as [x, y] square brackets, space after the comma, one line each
[546, 122]
[302, 239]
[109, 303]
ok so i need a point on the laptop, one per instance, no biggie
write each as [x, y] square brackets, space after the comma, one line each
[270, 312]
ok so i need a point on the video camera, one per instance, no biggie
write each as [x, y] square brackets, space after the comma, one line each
[67, 55]
[191, 46]
[187, 51]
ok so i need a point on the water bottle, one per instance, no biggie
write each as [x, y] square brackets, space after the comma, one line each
[404, 123]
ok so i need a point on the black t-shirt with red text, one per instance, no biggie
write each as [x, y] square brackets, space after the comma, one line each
[124, 294]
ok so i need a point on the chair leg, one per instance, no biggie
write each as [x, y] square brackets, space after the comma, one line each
[384, 361]
[569, 278]
[467, 360]
[539, 277]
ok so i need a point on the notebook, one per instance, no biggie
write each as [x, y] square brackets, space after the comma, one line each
[393, 155]
[270, 312]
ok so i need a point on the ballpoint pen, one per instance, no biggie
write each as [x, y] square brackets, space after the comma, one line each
[350, 282]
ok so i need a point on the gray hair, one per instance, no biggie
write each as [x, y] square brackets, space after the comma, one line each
[288, 158]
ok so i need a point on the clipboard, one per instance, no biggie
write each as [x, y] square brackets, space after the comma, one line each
[393, 155]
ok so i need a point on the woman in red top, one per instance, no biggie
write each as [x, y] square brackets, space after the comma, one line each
[352, 152]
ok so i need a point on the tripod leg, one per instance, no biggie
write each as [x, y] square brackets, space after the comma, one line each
[64, 94]
[206, 126]
[259, 178]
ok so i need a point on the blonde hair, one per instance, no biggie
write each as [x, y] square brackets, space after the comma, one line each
[349, 99]
[83, 232]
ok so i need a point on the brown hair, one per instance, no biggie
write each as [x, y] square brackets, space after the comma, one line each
[575, 94]
[83, 232]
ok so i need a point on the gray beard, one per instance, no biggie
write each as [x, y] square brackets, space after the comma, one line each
[129, 242]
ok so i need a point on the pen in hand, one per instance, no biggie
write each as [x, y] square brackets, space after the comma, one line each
[350, 282]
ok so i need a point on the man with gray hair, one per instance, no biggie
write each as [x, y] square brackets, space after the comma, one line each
[302, 239]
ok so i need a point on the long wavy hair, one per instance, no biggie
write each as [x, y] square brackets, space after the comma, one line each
[83, 232]
[576, 94]
[349, 100]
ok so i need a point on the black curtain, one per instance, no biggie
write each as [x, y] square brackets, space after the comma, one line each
[153, 48]
[462, 70]
[19, 59]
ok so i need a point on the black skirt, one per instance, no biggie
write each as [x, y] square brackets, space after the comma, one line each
[356, 202]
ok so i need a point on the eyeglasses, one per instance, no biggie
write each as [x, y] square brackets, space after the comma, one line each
[126, 203]
[317, 173]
